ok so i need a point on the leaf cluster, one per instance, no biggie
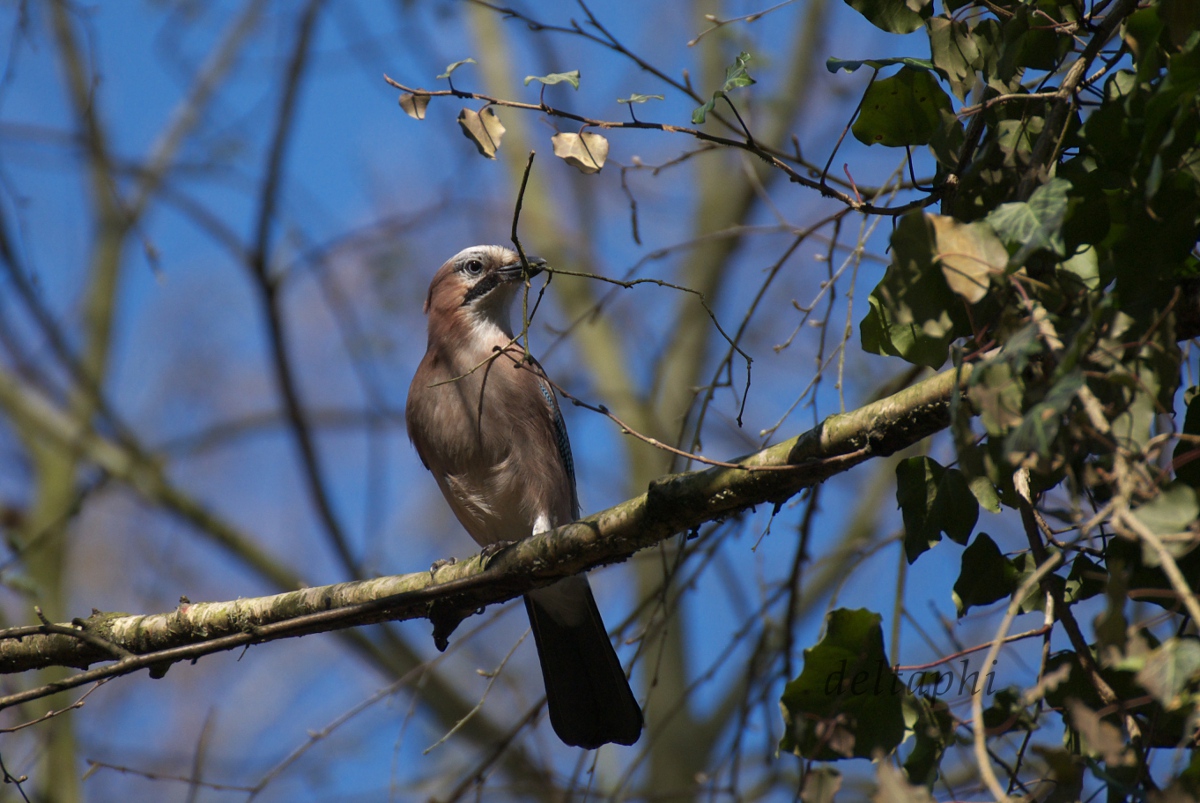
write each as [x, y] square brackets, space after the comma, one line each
[1051, 278]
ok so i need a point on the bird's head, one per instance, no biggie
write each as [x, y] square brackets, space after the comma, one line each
[476, 287]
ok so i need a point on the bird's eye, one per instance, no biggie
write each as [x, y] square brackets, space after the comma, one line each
[474, 267]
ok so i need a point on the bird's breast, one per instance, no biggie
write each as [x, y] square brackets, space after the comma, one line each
[488, 448]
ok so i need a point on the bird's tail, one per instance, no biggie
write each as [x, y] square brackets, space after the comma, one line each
[588, 696]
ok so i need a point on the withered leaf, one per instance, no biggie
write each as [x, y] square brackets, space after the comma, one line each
[585, 152]
[482, 128]
[414, 105]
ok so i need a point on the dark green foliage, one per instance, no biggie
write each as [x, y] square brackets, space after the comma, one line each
[847, 700]
[986, 575]
[1070, 332]
[904, 109]
[933, 500]
[893, 16]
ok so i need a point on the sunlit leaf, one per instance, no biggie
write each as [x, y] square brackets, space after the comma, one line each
[482, 128]
[700, 114]
[571, 78]
[1034, 224]
[969, 254]
[586, 152]
[450, 68]
[893, 16]
[985, 494]
[913, 314]
[414, 105]
[735, 76]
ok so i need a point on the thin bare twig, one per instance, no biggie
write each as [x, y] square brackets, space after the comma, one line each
[269, 291]
[748, 145]
[980, 730]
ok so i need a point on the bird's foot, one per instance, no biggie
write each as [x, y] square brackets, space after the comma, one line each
[493, 549]
[437, 564]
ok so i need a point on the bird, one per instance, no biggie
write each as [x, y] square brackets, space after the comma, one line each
[486, 423]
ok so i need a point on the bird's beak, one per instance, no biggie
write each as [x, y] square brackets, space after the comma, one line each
[515, 272]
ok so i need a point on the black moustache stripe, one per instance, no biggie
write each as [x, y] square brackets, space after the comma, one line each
[481, 288]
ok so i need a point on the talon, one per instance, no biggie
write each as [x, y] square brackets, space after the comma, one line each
[437, 564]
[493, 549]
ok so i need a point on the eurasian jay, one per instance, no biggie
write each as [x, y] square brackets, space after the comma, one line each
[486, 423]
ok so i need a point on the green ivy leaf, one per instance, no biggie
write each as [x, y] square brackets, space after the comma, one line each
[985, 575]
[985, 493]
[553, 78]
[933, 500]
[893, 16]
[735, 77]
[955, 52]
[847, 701]
[904, 109]
[851, 65]
[913, 313]
[450, 68]
[1034, 224]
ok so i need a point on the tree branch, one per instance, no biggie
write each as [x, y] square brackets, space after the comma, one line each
[672, 504]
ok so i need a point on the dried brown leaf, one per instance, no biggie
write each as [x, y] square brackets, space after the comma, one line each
[414, 105]
[585, 152]
[482, 128]
[969, 254]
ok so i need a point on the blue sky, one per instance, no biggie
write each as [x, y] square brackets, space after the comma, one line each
[371, 203]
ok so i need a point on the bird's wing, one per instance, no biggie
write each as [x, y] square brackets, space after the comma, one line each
[560, 438]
